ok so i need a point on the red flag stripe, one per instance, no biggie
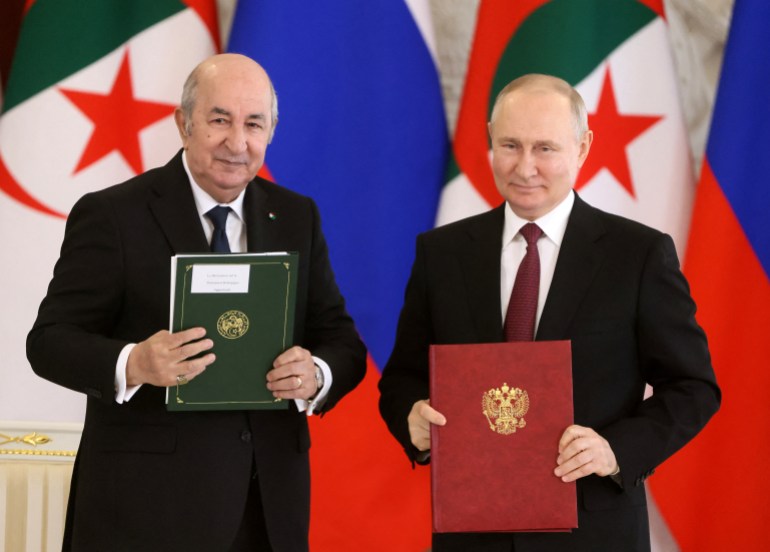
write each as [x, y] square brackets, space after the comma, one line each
[354, 461]
[708, 491]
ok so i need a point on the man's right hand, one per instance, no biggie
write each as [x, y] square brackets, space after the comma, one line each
[419, 420]
[162, 357]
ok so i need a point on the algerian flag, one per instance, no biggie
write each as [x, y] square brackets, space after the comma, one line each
[616, 53]
[89, 103]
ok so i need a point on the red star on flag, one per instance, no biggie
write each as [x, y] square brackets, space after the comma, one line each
[118, 117]
[613, 132]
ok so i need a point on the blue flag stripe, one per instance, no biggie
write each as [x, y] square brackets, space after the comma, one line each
[361, 130]
[740, 129]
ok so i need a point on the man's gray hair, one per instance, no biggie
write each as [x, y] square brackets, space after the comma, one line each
[190, 96]
[555, 84]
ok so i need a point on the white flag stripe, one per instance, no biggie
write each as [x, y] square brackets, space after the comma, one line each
[420, 10]
[43, 138]
[660, 159]
[41, 142]
[459, 200]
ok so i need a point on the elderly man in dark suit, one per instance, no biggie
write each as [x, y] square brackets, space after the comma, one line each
[610, 285]
[145, 478]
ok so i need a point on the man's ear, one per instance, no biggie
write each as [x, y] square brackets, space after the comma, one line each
[585, 147]
[179, 119]
[272, 131]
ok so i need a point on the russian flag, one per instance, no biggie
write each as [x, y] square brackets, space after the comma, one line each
[715, 493]
[361, 130]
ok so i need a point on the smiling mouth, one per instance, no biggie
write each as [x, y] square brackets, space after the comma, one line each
[232, 162]
[524, 187]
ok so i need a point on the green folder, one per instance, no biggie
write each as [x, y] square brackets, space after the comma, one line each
[246, 303]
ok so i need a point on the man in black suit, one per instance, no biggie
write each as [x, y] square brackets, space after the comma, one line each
[610, 285]
[145, 478]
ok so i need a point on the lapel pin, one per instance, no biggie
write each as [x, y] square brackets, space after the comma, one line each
[272, 216]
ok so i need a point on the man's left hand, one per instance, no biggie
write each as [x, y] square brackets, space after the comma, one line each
[293, 375]
[582, 452]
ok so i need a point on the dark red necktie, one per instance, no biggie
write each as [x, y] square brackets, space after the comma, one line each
[522, 308]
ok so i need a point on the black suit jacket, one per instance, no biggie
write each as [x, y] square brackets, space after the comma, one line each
[618, 294]
[145, 478]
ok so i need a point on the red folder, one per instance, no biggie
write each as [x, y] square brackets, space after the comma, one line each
[506, 405]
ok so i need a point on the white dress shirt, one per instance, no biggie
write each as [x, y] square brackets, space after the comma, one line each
[553, 224]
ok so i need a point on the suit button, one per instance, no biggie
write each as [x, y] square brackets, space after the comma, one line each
[246, 436]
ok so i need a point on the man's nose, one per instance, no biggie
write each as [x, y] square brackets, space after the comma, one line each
[236, 139]
[526, 165]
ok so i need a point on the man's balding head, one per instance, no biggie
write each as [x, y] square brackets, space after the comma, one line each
[535, 82]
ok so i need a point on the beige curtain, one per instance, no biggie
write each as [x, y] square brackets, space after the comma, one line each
[33, 497]
[36, 461]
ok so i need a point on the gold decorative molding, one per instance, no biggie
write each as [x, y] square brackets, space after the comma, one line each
[33, 439]
[36, 439]
[18, 452]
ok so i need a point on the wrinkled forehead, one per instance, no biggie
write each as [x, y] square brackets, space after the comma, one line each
[235, 92]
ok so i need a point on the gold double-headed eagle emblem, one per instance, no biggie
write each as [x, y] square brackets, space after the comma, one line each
[504, 408]
[233, 324]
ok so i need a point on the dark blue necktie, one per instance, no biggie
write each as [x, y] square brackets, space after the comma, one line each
[218, 215]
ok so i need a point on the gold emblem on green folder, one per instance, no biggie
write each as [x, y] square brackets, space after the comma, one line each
[504, 408]
[233, 324]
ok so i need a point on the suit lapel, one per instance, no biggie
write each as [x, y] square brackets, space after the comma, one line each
[255, 211]
[579, 260]
[481, 270]
[174, 209]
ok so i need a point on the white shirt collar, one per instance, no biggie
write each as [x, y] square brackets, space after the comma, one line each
[204, 202]
[553, 223]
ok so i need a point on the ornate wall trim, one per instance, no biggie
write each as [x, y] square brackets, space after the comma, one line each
[43, 440]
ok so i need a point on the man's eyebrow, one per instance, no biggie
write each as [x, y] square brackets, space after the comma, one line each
[548, 143]
[253, 116]
[537, 143]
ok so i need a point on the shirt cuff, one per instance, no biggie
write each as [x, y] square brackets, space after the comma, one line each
[316, 402]
[123, 392]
